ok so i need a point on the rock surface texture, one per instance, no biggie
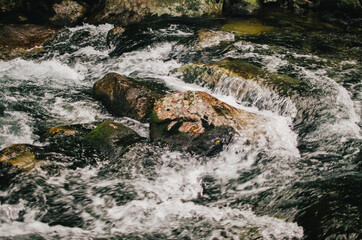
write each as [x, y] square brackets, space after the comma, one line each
[125, 12]
[68, 13]
[112, 138]
[19, 40]
[124, 97]
[197, 122]
[21, 156]
[224, 70]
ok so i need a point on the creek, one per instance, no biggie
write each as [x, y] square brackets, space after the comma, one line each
[301, 182]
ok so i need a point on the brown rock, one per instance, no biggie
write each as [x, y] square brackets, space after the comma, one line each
[21, 156]
[68, 131]
[68, 13]
[198, 122]
[124, 97]
[125, 12]
[18, 40]
[210, 38]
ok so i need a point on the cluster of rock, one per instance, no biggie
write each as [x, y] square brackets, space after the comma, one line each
[190, 121]
[125, 12]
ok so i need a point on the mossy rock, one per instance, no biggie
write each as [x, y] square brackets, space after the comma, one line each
[112, 138]
[213, 74]
[246, 27]
[67, 140]
[21, 156]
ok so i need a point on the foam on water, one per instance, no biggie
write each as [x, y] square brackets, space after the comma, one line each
[53, 73]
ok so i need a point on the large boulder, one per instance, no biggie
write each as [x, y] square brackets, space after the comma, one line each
[199, 123]
[68, 13]
[239, 72]
[125, 12]
[112, 138]
[125, 97]
[23, 39]
[21, 156]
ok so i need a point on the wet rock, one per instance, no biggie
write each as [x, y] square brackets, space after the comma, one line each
[125, 12]
[197, 122]
[246, 27]
[68, 13]
[22, 156]
[125, 97]
[241, 8]
[210, 38]
[64, 136]
[214, 74]
[113, 35]
[112, 138]
[19, 40]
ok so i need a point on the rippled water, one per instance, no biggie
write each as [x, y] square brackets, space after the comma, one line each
[302, 180]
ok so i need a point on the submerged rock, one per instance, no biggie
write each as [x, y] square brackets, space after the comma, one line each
[68, 13]
[113, 34]
[23, 39]
[66, 137]
[112, 138]
[22, 156]
[214, 74]
[125, 97]
[197, 122]
[125, 12]
[210, 38]
[246, 27]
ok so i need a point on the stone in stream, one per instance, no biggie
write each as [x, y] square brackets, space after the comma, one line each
[112, 138]
[23, 40]
[66, 137]
[125, 97]
[214, 74]
[211, 38]
[21, 156]
[113, 34]
[199, 123]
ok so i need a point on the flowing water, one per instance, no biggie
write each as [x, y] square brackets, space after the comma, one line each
[301, 181]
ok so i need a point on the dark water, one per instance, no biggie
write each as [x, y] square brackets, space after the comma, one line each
[302, 180]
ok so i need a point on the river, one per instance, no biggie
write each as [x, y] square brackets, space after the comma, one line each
[302, 182]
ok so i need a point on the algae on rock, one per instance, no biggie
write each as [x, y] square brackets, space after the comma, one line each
[22, 156]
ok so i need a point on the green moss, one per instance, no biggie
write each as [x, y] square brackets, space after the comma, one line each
[112, 138]
[246, 27]
[212, 74]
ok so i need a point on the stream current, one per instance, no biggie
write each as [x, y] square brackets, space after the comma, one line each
[304, 181]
